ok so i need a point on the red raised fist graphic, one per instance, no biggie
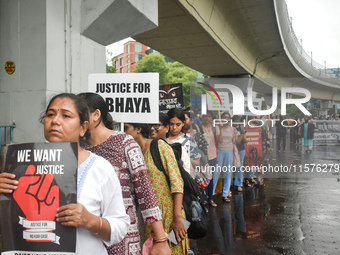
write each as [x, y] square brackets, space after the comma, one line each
[37, 197]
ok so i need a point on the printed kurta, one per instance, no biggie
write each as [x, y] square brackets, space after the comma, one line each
[122, 151]
[163, 193]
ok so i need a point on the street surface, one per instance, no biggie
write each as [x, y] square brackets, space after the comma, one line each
[295, 213]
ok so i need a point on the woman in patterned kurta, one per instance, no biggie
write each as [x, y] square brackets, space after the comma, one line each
[165, 195]
[122, 151]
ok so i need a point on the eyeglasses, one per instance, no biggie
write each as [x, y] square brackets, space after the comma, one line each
[155, 126]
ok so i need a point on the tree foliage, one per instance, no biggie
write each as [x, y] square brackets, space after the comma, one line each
[153, 63]
[110, 69]
[169, 73]
[293, 110]
[109, 62]
[179, 73]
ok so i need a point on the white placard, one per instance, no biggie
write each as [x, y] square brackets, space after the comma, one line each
[212, 106]
[130, 97]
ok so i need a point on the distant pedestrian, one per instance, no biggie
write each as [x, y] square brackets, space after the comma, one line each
[273, 128]
[281, 133]
[308, 134]
[210, 135]
[241, 140]
[225, 135]
[295, 131]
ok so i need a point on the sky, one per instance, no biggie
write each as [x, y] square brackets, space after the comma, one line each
[315, 22]
[117, 47]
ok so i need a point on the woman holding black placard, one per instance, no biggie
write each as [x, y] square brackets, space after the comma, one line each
[99, 215]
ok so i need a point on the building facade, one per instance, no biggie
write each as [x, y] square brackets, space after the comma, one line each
[133, 53]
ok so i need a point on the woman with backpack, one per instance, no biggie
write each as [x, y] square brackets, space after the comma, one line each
[176, 135]
[203, 172]
[170, 198]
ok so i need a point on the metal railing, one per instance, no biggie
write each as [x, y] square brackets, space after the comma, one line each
[335, 72]
[5, 133]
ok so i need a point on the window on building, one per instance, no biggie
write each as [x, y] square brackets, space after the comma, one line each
[128, 48]
[138, 48]
[116, 62]
[122, 70]
[121, 61]
[138, 58]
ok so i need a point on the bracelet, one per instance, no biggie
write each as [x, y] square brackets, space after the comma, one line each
[100, 227]
[161, 240]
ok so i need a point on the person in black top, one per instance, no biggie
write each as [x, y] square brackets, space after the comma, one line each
[241, 139]
[281, 133]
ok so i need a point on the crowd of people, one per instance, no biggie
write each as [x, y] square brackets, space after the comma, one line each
[123, 184]
[297, 128]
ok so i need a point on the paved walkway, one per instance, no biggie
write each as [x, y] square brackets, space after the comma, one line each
[295, 213]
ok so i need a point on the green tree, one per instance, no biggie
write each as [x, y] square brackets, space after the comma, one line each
[110, 69]
[293, 110]
[109, 61]
[168, 72]
[153, 63]
[179, 73]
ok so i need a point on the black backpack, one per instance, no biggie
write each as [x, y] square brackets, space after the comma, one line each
[193, 197]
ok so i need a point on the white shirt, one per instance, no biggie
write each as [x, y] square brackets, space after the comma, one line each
[100, 192]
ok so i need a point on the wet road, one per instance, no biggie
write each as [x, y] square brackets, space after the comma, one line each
[295, 213]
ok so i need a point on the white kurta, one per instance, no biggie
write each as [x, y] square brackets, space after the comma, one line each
[100, 192]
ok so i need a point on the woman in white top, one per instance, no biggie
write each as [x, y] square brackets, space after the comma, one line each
[176, 135]
[99, 215]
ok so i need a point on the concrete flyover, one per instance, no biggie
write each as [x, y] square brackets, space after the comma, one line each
[235, 38]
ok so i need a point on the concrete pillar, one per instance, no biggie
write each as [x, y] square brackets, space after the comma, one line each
[45, 40]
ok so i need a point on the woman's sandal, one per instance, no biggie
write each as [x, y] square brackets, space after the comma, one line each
[229, 194]
[225, 199]
[212, 203]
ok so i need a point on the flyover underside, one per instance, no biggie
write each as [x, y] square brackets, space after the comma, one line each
[232, 38]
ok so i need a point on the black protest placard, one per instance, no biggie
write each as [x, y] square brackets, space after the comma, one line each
[171, 96]
[47, 175]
